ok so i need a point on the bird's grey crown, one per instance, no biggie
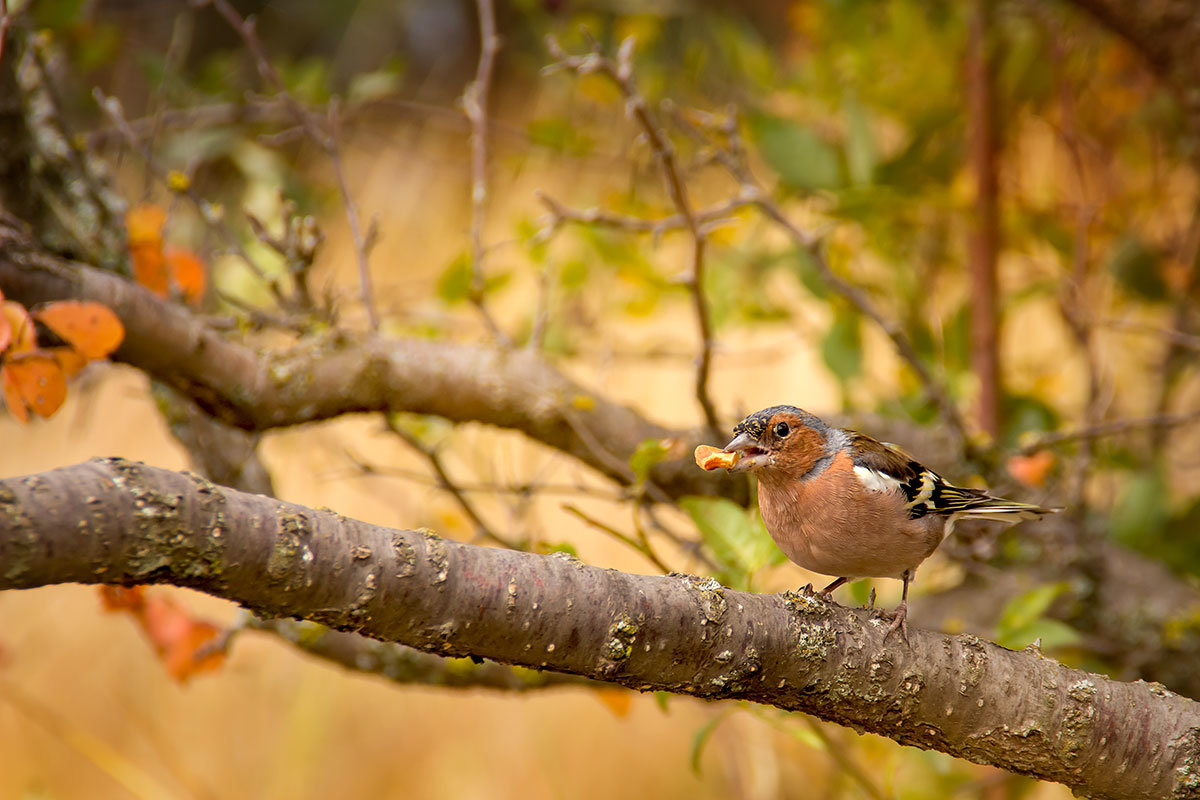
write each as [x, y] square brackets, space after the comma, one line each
[756, 424]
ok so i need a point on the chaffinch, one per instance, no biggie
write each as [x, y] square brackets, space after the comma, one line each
[841, 503]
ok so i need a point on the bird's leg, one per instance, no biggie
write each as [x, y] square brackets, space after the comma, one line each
[835, 584]
[899, 620]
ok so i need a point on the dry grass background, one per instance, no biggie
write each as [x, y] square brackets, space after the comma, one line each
[86, 711]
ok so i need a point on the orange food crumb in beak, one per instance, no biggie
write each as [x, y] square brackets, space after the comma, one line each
[709, 457]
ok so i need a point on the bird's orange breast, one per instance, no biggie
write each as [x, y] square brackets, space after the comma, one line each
[834, 525]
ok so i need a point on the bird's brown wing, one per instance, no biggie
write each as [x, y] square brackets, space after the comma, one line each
[884, 465]
[925, 491]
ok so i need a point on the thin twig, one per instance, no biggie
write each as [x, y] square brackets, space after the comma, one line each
[527, 489]
[1103, 429]
[475, 106]
[614, 463]
[620, 72]
[638, 544]
[323, 132]
[1180, 338]
[708, 219]
[447, 483]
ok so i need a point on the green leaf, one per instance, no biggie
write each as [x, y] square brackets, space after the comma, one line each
[454, 286]
[1022, 620]
[797, 153]
[861, 152]
[842, 346]
[1054, 635]
[661, 699]
[810, 277]
[1140, 513]
[574, 274]
[427, 429]
[1028, 606]
[1136, 267]
[701, 737]
[647, 454]
[736, 536]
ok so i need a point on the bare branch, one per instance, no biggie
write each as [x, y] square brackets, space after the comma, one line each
[324, 134]
[404, 665]
[709, 219]
[751, 192]
[620, 72]
[1112, 428]
[475, 106]
[640, 544]
[482, 529]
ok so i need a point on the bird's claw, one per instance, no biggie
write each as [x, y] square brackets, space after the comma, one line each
[899, 622]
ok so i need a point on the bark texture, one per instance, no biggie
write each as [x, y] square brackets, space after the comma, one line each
[116, 521]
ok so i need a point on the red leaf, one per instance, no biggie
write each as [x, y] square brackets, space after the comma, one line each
[91, 328]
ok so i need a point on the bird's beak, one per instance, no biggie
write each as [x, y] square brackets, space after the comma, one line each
[753, 455]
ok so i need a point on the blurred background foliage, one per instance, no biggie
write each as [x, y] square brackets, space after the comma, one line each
[854, 114]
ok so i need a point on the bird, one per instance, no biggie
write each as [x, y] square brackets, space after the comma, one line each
[841, 503]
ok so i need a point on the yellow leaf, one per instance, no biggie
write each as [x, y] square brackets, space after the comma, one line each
[178, 181]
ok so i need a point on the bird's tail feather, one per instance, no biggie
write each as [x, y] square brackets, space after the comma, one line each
[976, 504]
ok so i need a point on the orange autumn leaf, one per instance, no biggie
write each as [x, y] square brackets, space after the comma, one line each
[1032, 470]
[69, 359]
[33, 381]
[180, 639]
[150, 268]
[144, 225]
[92, 329]
[23, 337]
[6, 332]
[619, 701]
[12, 397]
[187, 273]
[123, 598]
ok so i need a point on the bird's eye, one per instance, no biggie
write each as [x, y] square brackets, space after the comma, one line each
[782, 429]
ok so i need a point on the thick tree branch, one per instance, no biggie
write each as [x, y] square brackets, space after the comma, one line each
[119, 522]
[325, 377]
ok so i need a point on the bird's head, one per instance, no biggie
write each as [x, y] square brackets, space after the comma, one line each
[781, 441]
